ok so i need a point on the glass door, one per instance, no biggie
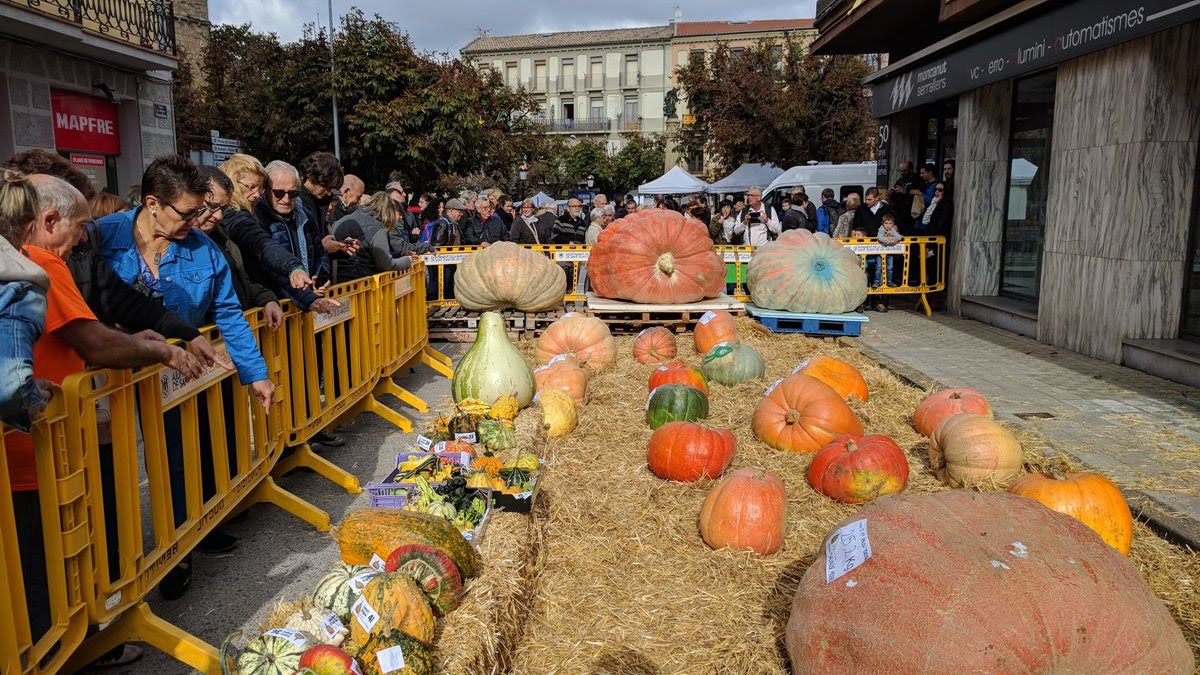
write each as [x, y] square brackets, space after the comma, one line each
[1028, 185]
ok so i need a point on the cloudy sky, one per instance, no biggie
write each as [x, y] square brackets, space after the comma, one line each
[448, 25]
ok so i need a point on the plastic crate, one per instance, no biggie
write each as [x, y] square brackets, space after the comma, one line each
[393, 496]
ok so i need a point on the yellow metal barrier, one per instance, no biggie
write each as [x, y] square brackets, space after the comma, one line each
[64, 546]
[915, 254]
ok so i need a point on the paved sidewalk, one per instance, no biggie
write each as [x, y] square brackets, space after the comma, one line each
[1139, 430]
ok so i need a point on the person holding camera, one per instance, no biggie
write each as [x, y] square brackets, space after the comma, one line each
[756, 224]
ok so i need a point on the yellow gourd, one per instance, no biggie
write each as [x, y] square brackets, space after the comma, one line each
[481, 481]
[558, 412]
[505, 408]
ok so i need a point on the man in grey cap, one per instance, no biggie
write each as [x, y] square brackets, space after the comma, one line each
[446, 229]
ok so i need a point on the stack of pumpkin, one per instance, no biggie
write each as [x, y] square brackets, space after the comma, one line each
[374, 614]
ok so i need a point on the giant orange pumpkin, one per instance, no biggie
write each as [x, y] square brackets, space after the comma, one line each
[677, 372]
[968, 448]
[805, 272]
[967, 582]
[843, 377]
[946, 403]
[564, 374]
[687, 452]
[654, 345]
[584, 337]
[856, 470]
[745, 510]
[1089, 498]
[714, 328]
[656, 257]
[802, 414]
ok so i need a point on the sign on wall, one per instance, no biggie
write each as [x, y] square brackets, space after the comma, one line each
[85, 123]
[1069, 30]
[883, 152]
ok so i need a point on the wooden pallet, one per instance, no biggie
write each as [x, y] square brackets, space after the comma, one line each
[630, 317]
[536, 323]
[831, 325]
[455, 324]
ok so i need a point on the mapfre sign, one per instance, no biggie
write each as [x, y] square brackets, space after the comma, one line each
[85, 123]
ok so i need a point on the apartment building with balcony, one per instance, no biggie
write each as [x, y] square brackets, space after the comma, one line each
[598, 83]
[90, 79]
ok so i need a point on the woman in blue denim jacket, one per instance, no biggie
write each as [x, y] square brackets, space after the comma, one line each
[155, 249]
[23, 286]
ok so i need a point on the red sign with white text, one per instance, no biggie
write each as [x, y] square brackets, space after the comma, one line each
[85, 123]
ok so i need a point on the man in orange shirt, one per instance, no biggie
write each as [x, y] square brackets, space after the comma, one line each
[71, 340]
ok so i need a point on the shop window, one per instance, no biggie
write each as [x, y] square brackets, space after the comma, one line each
[1028, 185]
[939, 133]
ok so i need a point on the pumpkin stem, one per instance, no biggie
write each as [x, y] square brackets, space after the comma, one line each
[666, 264]
[791, 417]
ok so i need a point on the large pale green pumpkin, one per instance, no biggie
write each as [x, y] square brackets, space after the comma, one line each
[505, 275]
[493, 367]
[731, 363]
[806, 273]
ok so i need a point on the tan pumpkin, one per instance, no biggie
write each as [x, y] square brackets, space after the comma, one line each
[584, 337]
[564, 374]
[399, 604]
[505, 275]
[968, 449]
[654, 345]
[558, 412]
[1089, 498]
[712, 329]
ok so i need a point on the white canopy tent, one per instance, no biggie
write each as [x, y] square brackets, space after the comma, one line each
[745, 177]
[674, 182]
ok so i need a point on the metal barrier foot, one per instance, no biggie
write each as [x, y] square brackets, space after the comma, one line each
[140, 624]
[438, 361]
[269, 492]
[388, 386]
[303, 456]
[923, 303]
[372, 405]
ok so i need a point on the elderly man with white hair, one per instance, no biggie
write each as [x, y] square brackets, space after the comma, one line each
[485, 227]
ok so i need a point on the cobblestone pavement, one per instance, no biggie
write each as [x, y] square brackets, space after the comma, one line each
[1141, 431]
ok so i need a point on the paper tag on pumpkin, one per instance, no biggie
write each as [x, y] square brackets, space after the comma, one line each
[424, 442]
[365, 614]
[354, 667]
[536, 396]
[801, 366]
[378, 563]
[708, 316]
[468, 437]
[642, 332]
[541, 368]
[359, 582]
[558, 358]
[567, 315]
[292, 635]
[331, 626]
[845, 549]
[390, 659]
[440, 446]
[772, 387]
[651, 396]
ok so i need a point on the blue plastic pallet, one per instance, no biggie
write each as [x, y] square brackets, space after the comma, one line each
[810, 324]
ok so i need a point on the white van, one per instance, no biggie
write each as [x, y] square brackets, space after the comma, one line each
[842, 178]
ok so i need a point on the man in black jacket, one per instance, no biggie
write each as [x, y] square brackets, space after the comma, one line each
[796, 216]
[570, 228]
[870, 215]
[321, 176]
[485, 227]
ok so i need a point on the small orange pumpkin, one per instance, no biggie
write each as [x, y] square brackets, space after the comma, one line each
[563, 374]
[687, 452]
[746, 510]
[585, 337]
[939, 406]
[1089, 498]
[843, 377]
[802, 414]
[712, 329]
[677, 372]
[654, 345]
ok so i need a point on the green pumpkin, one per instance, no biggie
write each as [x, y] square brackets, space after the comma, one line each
[675, 402]
[731, 363]
[496, 435]
[335, 592]
[417, 660]
[493, 367]
[276, 652]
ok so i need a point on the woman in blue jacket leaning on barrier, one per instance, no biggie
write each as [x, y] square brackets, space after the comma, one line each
[155, 249]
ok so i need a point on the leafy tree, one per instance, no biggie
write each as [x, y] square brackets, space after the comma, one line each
[754, 107]
[639, 161]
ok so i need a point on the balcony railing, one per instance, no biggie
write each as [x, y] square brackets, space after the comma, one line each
[577, 125]
[148, 24]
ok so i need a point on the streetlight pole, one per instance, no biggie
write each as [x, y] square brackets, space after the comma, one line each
[337, 145]
[523, 175]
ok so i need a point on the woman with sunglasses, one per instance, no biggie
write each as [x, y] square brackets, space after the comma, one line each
[157, 249]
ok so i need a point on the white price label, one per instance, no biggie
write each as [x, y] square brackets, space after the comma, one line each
[651, 396]
[292, 635]
[558, 358]
[801, 366]
[365, 614]
[468, 437]
[424, 442]
[567, 315]
[331, 626]
[541, 368]
[358, 583]
[708, 316]
[440, 446]
[444, 258]
[571, 256]
[354, 667]
[390, 659]
[378, 563]
[642, 332]
[772, 387]
[845, 549]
